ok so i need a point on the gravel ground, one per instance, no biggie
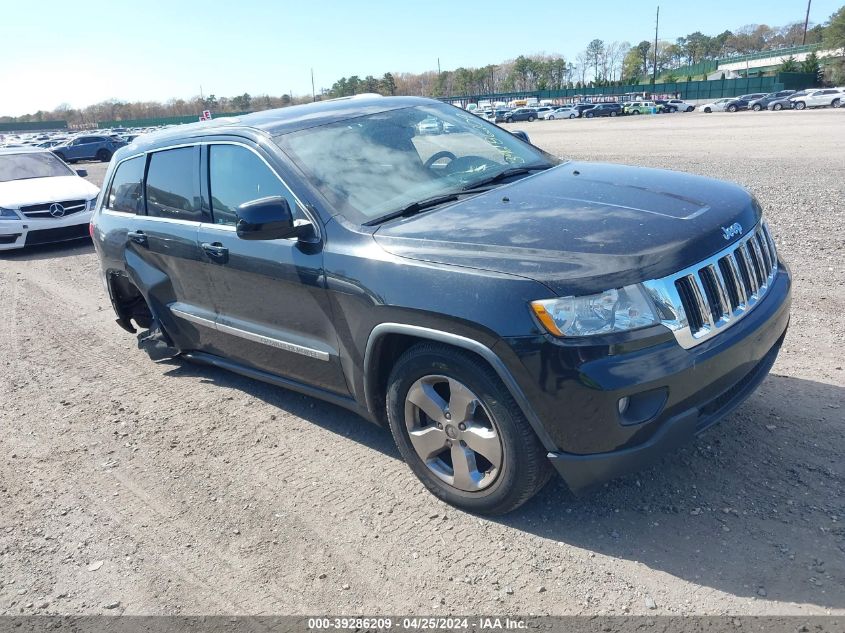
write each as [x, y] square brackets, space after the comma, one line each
[128, 486]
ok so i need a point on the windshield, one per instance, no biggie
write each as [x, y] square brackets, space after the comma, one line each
[31, 165]
[375, 165]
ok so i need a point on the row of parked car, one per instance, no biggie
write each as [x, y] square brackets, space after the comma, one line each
[585, 110]
[73, 147]
[781, 100]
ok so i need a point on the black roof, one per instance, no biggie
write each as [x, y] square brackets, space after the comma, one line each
[282, 120]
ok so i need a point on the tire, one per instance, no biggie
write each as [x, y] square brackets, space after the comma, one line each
[708, 110]
[573, 116]
[673, 110]
[61, 157]
[551, 117]
[613, 113]
[104, 155]
[531, 119]
[508, 120]
[777, 106]
[756, 107]
[689, 109]
[515, 472]
[732, 108]
[589, 115]
[835, 103]
[800, 105]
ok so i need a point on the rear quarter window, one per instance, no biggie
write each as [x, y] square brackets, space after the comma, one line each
[126, 191]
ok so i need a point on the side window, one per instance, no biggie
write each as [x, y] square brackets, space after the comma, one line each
[237, 176]
[172, 187]
[126, 192]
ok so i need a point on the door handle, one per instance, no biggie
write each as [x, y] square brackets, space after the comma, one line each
[216, 251]
[139, 237]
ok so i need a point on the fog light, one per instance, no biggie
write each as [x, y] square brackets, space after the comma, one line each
[623, 404]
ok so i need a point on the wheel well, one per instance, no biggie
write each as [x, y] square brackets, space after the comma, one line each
[385, 353]
[129, 303]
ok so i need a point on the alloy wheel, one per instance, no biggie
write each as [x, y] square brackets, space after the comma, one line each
[453, 433]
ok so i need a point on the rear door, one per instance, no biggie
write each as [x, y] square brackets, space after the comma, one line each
[273, 309]
[162, 251]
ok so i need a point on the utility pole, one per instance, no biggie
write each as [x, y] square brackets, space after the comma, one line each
[438, 66]
[654, 70]
[806, 23]
[313, 92]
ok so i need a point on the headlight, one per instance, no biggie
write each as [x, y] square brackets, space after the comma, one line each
[8, 214]
[619, 310]
[92, 203]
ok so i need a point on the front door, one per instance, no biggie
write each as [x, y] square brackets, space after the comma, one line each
[273, 309]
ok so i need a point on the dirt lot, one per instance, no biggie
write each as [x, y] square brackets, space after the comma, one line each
[133, 487]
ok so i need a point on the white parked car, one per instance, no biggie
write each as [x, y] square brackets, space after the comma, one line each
[716, 106]
[42, 200]
[543, 110]
[678, 105]
[819, 99]
[563, 112]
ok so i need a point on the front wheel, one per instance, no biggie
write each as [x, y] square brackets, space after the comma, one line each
[508, 120]
[531, 119]
[461, 432]
[757, 107]
[690, 109]
[777, 107]
[589, 115]
[551, 117]
[61, 157]
[732, 108]
[800, 105]
[835, 103]
[612, 113]
[708, 110]
[104, 156]
[573, 116]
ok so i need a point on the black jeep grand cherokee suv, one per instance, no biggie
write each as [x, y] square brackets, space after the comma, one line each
[502, 311]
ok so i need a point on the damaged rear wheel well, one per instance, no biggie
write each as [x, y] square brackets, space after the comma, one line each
[129, 303]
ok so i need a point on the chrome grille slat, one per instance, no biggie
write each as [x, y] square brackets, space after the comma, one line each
[730, 258]
[700, 301]
[722, 291]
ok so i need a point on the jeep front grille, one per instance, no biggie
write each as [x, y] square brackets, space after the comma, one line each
[43, 210]
[702, 300]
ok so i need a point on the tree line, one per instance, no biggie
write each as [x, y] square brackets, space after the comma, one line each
[600, 63]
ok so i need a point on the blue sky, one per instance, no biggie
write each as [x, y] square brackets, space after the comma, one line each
[84, 52]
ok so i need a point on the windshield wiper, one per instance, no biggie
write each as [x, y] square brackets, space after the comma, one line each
[414, 208]
[502, 175]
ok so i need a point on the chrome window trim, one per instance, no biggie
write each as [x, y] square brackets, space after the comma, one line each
[665, 294]
[184, 311]
[314, 222]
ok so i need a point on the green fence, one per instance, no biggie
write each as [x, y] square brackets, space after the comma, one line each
[780, 53]
[692, 90]
[167, 120]
[33, 126]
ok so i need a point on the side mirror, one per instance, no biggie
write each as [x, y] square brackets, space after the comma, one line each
[521, 135]
[82, 172]
[268, 219]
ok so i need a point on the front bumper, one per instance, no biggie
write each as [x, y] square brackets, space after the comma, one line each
[15, 234]
[575, 391]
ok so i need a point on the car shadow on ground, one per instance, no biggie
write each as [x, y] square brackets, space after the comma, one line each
[754, 507]
[331, 417]
[81, 246]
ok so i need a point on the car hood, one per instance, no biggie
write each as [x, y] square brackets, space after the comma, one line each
[18, 193]
[581, 227]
